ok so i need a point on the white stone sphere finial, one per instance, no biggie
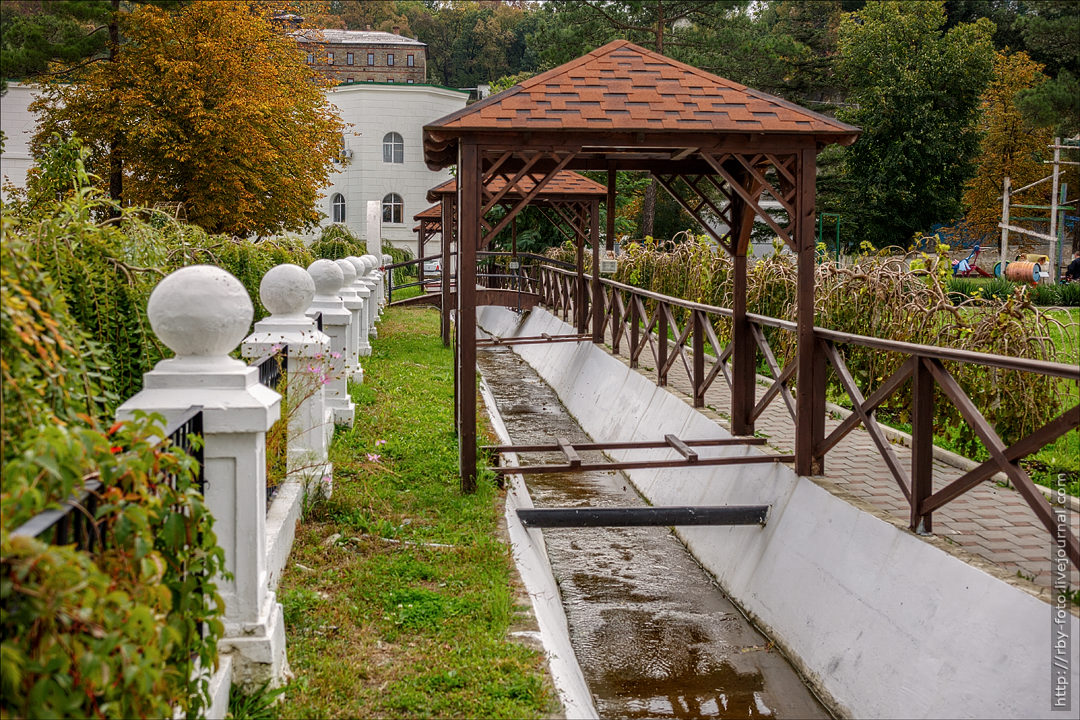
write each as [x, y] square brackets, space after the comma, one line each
[200, 311]
[327, 276]
[287, 290]
[373, 262]
[357, 264]
[348, 272]
[387, 259]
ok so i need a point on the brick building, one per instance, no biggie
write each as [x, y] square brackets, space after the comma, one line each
[363, 56]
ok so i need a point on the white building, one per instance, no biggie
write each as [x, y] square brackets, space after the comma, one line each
[384, 155]
[18, 124]
[383, 158]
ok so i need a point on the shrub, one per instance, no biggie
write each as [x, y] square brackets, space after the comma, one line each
[1070, 294]
[114, 632]
[1044, 295]
[337, 242]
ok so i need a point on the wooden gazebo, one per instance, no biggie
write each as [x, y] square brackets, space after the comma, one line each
[563, 196]
[430, 223]
[715, 145]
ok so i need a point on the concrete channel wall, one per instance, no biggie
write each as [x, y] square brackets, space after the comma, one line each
[881, 623]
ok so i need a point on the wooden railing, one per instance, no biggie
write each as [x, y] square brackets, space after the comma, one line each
[644, 319]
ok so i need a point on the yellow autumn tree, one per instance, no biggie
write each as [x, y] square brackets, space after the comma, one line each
[210, 105]
[1010, 146]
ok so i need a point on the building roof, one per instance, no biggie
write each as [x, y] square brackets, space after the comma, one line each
[432, 213]
[355, 37]
[564, 183]
[624, 87]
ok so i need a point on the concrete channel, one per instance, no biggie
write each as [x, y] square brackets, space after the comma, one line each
[878, 621]
[653, 634]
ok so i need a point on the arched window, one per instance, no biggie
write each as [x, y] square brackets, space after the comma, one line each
[393, 209]
[337, 208]
[393, 148]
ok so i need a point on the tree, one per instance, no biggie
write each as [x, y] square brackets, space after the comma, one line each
[34, 35]
[210, 106]
[915, 93]
[1010, 145]
[1052, 35]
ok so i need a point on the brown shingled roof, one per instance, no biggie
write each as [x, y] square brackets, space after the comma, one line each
[432, 213]
[624, 87]
[565, 182]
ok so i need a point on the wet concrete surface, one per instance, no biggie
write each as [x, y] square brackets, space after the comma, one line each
[654, 635]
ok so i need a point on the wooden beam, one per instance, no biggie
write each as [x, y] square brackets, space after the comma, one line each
[469, 185]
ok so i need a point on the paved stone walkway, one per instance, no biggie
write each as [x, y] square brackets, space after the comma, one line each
[991, 527]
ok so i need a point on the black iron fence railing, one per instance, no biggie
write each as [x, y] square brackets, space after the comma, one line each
[273, 365]
[75, 521]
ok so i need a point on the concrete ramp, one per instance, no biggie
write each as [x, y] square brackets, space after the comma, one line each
[882, 623]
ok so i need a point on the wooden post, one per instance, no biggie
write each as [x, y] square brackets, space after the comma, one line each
[661, 343]
[699, 358]
[922, 445]
[469, 186]
[635, 331]
[810, 391]
[597, 291]
[743, 375]
[579, 280]
[743, 348]
[609, 241]
[444, 281]
[420, 252]
[616, 321]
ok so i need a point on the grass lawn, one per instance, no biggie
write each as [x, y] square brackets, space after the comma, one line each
[399, 593]
[1066, 339]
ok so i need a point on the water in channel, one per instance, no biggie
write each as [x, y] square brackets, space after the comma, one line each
[654, 635]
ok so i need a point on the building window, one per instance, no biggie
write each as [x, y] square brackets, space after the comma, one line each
[392, 208]
[393, 148]
[371, 79]
[389, 79]
[348, 59]
[410, 81]
[311, 58]
[348, 81]
[329, 58]
[410, 61]
[390, 59]
[371, 58]
[337, 208]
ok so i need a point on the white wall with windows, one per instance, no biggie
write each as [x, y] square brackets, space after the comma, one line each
[383, 157]
[18, 125]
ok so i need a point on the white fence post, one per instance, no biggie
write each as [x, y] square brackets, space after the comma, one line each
[372, 283]
[336, 320]
[364, 293]
[287, 291]
[354, 305]
[202, 313]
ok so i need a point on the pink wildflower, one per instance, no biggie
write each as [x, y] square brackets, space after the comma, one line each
[372, 457]
[379, 442]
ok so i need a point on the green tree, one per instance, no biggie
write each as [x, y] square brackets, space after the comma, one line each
[34, 36]
[210, 106]
[915, 92]
[1052, 36]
